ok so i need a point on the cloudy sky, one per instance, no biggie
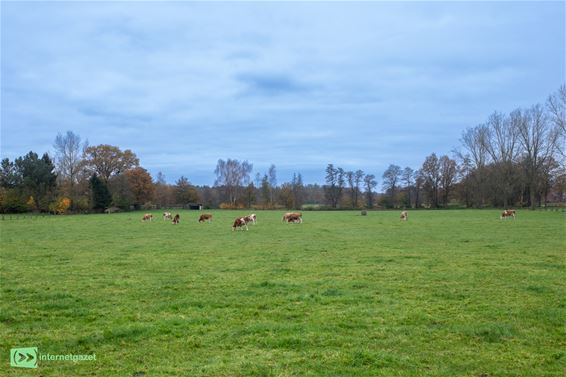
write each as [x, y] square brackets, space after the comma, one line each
[299, 85]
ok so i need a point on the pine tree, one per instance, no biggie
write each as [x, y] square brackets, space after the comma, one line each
[101, 197]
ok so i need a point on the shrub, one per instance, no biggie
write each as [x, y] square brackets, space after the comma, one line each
[81, 204]
[229, 206]
[31, 206]
[62, 205]
[11, 201]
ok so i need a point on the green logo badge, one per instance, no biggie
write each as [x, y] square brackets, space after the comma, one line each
[24, 357]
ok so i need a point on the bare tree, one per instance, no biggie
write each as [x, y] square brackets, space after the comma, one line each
[265, 190]
[350, 178]
[432, 175]
[475, 141]
[465, 172]
[257, 179]
[391, 177]
[164, 193]
[370, 183]
[556, 105]
[407, 177]
[334, 185]
[68, 156]
[419, 183]
[539, 141]
[297, 191]
[502, 145]
[354, 182]
[272, 175]
[448, 173]
[358, 178]
[232, 175]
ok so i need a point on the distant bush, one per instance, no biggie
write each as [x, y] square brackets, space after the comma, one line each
[232, 206]
[313, 207]
[81, 204]
[31, 206]
[11, 201]
[60, 206]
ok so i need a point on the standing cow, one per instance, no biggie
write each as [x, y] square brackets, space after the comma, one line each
[167, 216]
[294, 218]
[147, 217]
[508, 213]
[205, 217]
[239, 223]
[404, 216]
[292, 214]
[176, 219]
[250, 219]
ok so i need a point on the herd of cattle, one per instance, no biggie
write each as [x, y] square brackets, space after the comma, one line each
[239, 223]
[289, 217]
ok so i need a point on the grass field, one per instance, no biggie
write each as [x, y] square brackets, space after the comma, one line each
[448, 293]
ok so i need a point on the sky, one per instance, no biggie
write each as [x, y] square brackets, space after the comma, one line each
[299, 85]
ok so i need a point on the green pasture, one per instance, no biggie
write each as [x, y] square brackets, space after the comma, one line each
[448, 293]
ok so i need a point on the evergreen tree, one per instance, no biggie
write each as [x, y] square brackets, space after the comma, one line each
[101, 197]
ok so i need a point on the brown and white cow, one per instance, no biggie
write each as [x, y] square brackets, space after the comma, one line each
[176, 219]
[147, 217]
[239, 223]
[507, 214]
[292, 214]
[167, 216]
[294, 218]
[250, 219]
[404, 216]
[205, 217]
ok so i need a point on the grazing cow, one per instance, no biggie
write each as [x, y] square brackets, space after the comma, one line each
[404, 215]
[176, 219]
[507, 214]
[167, 216]
[250, 219]
[294, 218]
[205, 217]
[147, 217]
[292, 214]
[239, 223]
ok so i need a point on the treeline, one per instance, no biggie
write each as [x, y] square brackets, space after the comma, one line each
[78, 178]
[514, 159]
